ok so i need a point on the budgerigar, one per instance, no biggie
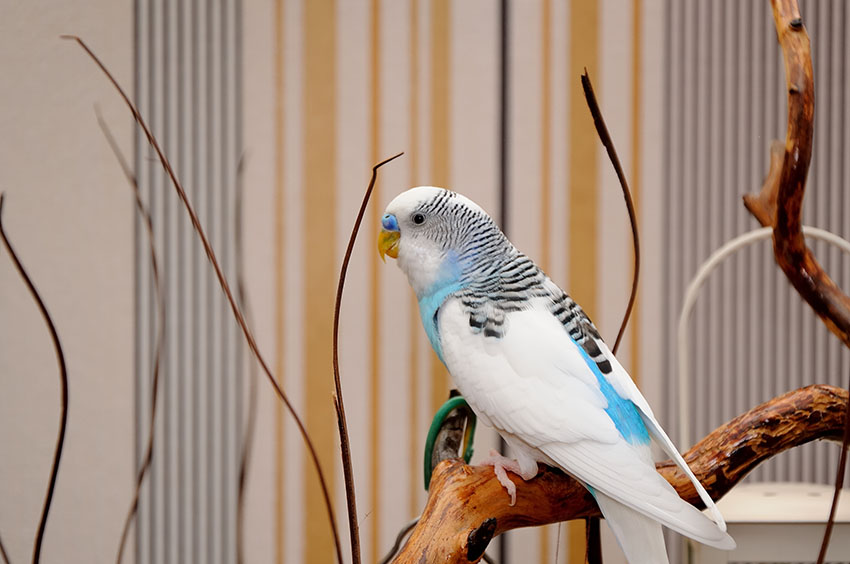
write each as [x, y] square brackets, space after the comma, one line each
[532, 365]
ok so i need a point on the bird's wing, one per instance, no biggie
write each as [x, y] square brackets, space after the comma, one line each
[583, 332]
[626, 388]
[535, 384]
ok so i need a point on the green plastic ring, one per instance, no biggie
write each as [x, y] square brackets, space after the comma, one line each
[437, 422]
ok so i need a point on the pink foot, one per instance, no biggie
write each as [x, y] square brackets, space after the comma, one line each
[502, 463]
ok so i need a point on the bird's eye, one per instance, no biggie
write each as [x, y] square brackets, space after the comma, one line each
[418, 218]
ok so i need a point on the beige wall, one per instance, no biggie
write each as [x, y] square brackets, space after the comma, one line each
[68, 211]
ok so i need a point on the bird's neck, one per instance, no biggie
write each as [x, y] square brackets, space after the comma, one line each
[432, 291]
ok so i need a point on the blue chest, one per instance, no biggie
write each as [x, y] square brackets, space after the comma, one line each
[447, 283]
[429, 306]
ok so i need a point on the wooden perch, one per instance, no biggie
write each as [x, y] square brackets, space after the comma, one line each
[467, 506]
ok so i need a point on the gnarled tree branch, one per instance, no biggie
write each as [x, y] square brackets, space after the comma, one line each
[463, 498]
[780, 203]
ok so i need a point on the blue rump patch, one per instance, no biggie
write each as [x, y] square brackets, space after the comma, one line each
[621, 411]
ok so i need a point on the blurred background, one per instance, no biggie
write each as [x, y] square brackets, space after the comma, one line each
[289, 104]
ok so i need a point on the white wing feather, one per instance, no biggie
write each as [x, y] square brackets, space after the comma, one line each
[534, 386]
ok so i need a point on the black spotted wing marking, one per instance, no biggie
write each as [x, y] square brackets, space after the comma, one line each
[581, 330]
[487, 319]
[506, 286]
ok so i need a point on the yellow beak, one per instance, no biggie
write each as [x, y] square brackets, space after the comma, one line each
[388, 244]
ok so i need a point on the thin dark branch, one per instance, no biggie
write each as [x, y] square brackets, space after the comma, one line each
[63, 378]
[594, 540]
[225, 286]
[839, 481]
[147, 458]
[3, 553]
[345, 445]
[398, 540]
[605, 137]
[251, 423]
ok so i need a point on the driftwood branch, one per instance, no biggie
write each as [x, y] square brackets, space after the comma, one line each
[780, 203]
[463, 499]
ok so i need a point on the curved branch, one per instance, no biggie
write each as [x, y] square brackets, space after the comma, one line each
[225, 287]
[779, 204]
[147, 457]
[63, 380]
[342, 423]
[462, 498]
[593, 532]
[251, 422]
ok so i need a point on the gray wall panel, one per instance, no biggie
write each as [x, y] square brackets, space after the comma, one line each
[188, 87]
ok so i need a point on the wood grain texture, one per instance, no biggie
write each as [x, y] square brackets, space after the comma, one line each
[463, 498]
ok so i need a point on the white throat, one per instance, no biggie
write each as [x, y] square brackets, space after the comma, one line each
[426, 267]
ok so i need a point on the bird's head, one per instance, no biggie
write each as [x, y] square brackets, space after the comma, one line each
[435, 235]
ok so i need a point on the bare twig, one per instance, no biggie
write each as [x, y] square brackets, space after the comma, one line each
[345, 445]
[605, 137]
[63, 378]
[147, 458]
[225, 286]
[594, 539]
[3, 553]
[398, 540]
[251, 423]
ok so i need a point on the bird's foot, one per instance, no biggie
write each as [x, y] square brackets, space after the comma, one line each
[502, 463]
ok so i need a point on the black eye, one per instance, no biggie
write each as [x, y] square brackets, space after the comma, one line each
[418, 218]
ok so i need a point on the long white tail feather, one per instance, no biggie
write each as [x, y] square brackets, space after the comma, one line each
[671, 450]
[640, 537]
[627, 388]
[651, 495]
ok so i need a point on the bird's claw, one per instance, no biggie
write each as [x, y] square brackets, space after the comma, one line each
[500, 464]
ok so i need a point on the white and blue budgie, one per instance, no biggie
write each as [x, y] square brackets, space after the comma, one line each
[532, 365]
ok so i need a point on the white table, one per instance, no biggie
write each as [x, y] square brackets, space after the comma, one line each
[780, 522]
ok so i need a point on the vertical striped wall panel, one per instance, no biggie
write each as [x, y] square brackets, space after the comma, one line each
[188, 85]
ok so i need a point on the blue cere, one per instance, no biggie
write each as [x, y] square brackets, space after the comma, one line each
[389, 222]
[621, 411]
